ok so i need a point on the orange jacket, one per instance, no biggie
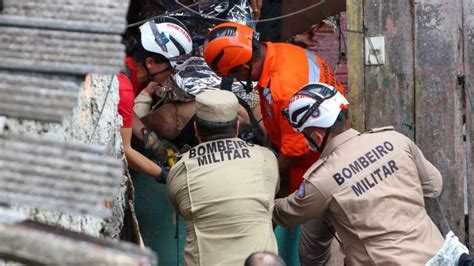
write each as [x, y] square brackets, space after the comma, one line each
[286, 69]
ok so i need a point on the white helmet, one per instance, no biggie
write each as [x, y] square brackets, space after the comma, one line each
[315, 105]
[169, 37]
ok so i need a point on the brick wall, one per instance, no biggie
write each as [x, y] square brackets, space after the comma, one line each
[328, 42]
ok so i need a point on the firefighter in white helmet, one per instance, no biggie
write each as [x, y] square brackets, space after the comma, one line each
[368, 185]
[160, 49]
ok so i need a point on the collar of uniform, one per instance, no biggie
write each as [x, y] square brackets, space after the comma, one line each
[268, 65]
[338, 140]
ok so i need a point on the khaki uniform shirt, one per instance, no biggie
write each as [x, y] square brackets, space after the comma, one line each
[225, 191]
[369, 186]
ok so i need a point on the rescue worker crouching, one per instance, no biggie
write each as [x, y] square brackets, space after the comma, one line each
[224, 188]
[367, 183]
[281, 69]
[160, 48]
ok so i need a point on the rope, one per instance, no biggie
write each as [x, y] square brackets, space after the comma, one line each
[422, 171]
[405, 123]
[102, 109]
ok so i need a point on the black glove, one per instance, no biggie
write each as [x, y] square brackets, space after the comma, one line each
[164, 174]
[465, 260]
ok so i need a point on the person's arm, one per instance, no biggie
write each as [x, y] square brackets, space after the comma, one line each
[152, 141]
[137, 127]
[143, 102]
[136, 160]
[431, 180]
[305, 203]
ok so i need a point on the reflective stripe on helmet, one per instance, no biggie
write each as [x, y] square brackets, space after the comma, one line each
[314, 105]
[223, 31]
[178, 45]
[216, 60]
[168, 37]
[160, 38]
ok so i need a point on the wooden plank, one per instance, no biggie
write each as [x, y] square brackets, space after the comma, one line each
[438, 57]
[40, 244]
[355, 64]
[468, 36]
[389, 87]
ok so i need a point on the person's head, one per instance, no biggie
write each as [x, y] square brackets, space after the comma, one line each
[317, 110]
[232, 49]
[216, 115]
[264, 258]
[163, 45]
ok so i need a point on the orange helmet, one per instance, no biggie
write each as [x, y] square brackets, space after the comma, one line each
[229, 45]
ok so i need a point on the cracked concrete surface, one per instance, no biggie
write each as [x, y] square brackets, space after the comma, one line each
[93, 121]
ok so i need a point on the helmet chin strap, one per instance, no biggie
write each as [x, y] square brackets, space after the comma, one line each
[248, 86]
[321, 147]
[150, 77]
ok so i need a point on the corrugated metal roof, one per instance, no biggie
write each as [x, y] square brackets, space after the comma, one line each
[35, 243]
[58, 176]
[54, 51]
[79, 15]
[38, 97]
[69, 38]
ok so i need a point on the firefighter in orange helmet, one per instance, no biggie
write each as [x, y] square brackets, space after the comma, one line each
[232, 49]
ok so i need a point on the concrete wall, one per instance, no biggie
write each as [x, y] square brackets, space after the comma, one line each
[93, 121]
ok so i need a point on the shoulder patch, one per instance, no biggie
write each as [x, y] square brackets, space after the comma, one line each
[300, 193]
[380, 129]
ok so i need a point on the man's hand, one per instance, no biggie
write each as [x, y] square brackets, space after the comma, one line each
[157, 146]
[151, 88]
